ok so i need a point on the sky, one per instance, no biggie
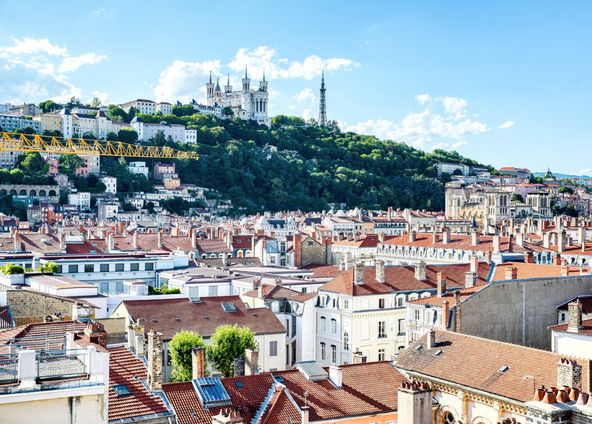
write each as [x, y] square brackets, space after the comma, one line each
[506, 83]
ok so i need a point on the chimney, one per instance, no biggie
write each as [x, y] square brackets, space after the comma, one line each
[440, 284]
[304, 414]
[358, 274]
[445, 308]
[62, 241]
[110, 243]
[569, 373]
[227, 416]
[336, 376]
[154, 360]
[251, 362]
[470, 279]
[474, 238]
[520, 239]
[17, 241]
[435, 238]
[557, 260]
[457, 312]
[547, 240]
[420, 271]
[96, 333]
[528, 257]
[561, 241]
[159, 239]
[511, 272]
[381, 237]
[474, 263]
[193, 235]
[564, 271]
[412, 236]
[431, 339]
[298, 250]
[582, 235]
[446, 235]
[198, 365]
[574, 312]
[380, 271]
[135, 240]
[496, 244]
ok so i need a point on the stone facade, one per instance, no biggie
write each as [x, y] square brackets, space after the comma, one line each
[28, 306]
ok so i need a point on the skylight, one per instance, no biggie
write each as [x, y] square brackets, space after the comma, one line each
[211, 392]
[228, 307]
[239, 384]
[504, 368]
[122, 390]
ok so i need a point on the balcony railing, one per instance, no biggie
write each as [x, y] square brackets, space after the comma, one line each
[8, 368]
[61, 364]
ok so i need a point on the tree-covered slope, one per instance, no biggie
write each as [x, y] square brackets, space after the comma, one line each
[297, 165]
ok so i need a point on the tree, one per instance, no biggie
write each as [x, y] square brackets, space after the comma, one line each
[112, 136]
[227, 111]
[564, 189]
[32, 162]
[10, 269]
[49, 106]
[116, 113]
[180, 348]
[48, 268]
[229, 343]
[127, 135]
[68, 164]
[95, 103]
[183, 110]
[517, 198]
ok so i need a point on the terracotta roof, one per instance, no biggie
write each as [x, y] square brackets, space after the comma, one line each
[478, 363]
[586, 328]
[457, 241]
[272, 291]
[531, 270]
[126, 369]
[242, 241]
[170, 316]
[323, 271]
[281, 409]
[402, 278]
[367, 389]
[212, 246]
[369, 241]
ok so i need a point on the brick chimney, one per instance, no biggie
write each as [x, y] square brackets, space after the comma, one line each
[298, 250]
[474, 238]
[574, 312]
[412, 236]
[511, 272]
[557, 260]
[569, 373]
[470, 279]
[561, 241]
[193, 235]
[440, 284]
[414, 401]
[17, 241]
[251, 362]
[445, 308]
[198, 363]
[135, 240]
[96, 333]
[420, 271]
[474, 263]
[380, 271]
[446, 235]
[435, 238]
[155, 360]
[159, 239]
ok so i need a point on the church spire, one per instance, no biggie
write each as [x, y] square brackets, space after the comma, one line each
[246, 76]
[263, 74]
[210, 76]
[322, 102]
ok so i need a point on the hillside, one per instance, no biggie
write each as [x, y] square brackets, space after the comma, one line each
[295, 165]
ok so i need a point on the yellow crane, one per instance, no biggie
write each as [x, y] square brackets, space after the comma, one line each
[17, 142]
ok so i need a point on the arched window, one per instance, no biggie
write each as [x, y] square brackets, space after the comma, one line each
[323, 351]
[333, 326]
[323, 324]
[333, 354]
[345, 340]
[448, 418]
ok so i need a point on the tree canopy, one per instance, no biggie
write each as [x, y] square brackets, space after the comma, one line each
[180, 348]
[229, 343]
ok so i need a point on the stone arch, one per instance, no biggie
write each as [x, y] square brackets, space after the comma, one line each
[33, 193]
[23, 192]
[13, 192]
[3, 192]
[52, 193]
[42, 193]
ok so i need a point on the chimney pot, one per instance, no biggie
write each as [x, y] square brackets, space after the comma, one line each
[574, 316]
[440, 284]
[511, 272]
[420, 271]
[431, 339]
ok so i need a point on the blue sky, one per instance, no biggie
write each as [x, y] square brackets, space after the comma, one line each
[504, 82]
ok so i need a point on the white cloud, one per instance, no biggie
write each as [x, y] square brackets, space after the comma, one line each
[183, 80]
[276, 67]
[585, 171]
[442, 125]
[305, 95]
[103, 96]
[36, 69]
[506, 125]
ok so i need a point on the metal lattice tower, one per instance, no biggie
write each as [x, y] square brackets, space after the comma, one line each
[322, 103]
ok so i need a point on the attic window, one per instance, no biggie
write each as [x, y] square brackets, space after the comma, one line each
[438, 352]
[504, 368]
[418, 347]
[228, 307]
[122, 390]
[239, 384]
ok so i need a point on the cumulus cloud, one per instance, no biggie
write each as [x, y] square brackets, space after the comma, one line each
[103, 96]
[264, 58]
[182, 80]
[36, 69]
[443, 123]
[305, 95]
[506, 125]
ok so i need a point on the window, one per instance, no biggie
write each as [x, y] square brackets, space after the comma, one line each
[134, 267]
[346, 304]
[149, 266]
[345, 340]
[449, 418]
[401, 328]
[323, 352]
[333, 326]
[400, 301]
[273, 345]
[119, 287]
[381, 355]
[380, 303]
[119, 267]
[416, 314]
[381, 329]
[104, 267]
[334, 303]
[59, 269]
[104, 288]
[334, 354]
[72, 269]
[293, 326]
[323, 324]
[212, 290]
[89, 268]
